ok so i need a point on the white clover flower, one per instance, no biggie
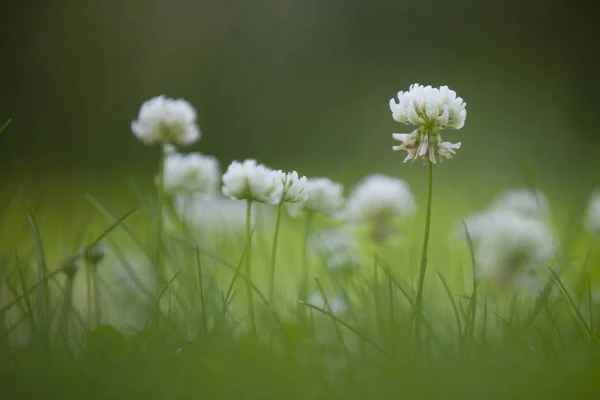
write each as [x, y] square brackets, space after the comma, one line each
[252, 181]
[191, 173]
[592, 218]
[338, 305]
[332, 241]
[530, 203]
[380, 198]
[430, 109]
[338, 248]
[166, 121]
[294, 187]
[511, 249]
[324, 196]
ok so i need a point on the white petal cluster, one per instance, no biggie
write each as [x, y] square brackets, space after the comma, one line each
[337, 305]
[191, 173]
[528, 202]
[430, 109]
[510, 248]
[294, 187]
[338, 248]
[592, 218]
[380, 198]
[166, 121]
[324, 196]
[251, 181]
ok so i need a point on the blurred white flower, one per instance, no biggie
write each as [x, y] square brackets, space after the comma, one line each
[592, 219]
[530, 203]
[430, 109]
[337, 305]
[324, 196]
[511, 249]
[218, 216]
[294, 187]
[380, 198]
[338, 248]
[191, 173]
[345, 262]
[166, 121]
[252, 181]
[331, 241]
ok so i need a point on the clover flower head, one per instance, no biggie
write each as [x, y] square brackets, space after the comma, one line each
[324, 196]
[530, 203]
[380, 198]
[510, 248]
[592, 217]
[191, 173]
[430, 110]
[166, 121]
[251, 181]
[294, 187]
[338, 248]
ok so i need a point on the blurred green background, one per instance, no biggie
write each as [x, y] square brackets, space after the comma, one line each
[299, 84]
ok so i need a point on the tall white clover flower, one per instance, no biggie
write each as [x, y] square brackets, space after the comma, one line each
[592, 218]
[528, 202]
[430, 109]
[252, 181]
[324, 196]
[191, 173]
[294, 187]
[380, 198]
[510, 248]
[166, 121]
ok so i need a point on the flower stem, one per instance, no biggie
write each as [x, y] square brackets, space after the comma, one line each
[249, 291]
[159, 222]
[307, 228]
[274, 251]
[423, 264]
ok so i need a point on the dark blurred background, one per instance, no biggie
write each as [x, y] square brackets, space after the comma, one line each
[301, 84]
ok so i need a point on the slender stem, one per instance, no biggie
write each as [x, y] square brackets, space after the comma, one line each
[161, 201]
[249, 291]
[89, 291]
[423, 264]
[305, 269]
[97, 305]
[274, 251]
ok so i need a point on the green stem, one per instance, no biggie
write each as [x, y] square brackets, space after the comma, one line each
[274, 251]
[89, 291]
[423, 264]
[305, 269]
[249, 291]
[97, 310]
[159, 222]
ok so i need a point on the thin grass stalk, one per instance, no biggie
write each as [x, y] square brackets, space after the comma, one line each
[423, 264]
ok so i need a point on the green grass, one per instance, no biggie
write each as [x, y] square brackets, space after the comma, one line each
[182, 329]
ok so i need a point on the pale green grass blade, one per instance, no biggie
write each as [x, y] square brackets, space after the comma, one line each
[346, 325]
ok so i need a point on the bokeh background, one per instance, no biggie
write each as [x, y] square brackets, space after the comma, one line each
[299, 84]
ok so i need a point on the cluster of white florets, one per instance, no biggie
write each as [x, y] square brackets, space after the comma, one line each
[430, 109]
[513, 241]
[166, 121]
[324, 196]
[191, 173]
